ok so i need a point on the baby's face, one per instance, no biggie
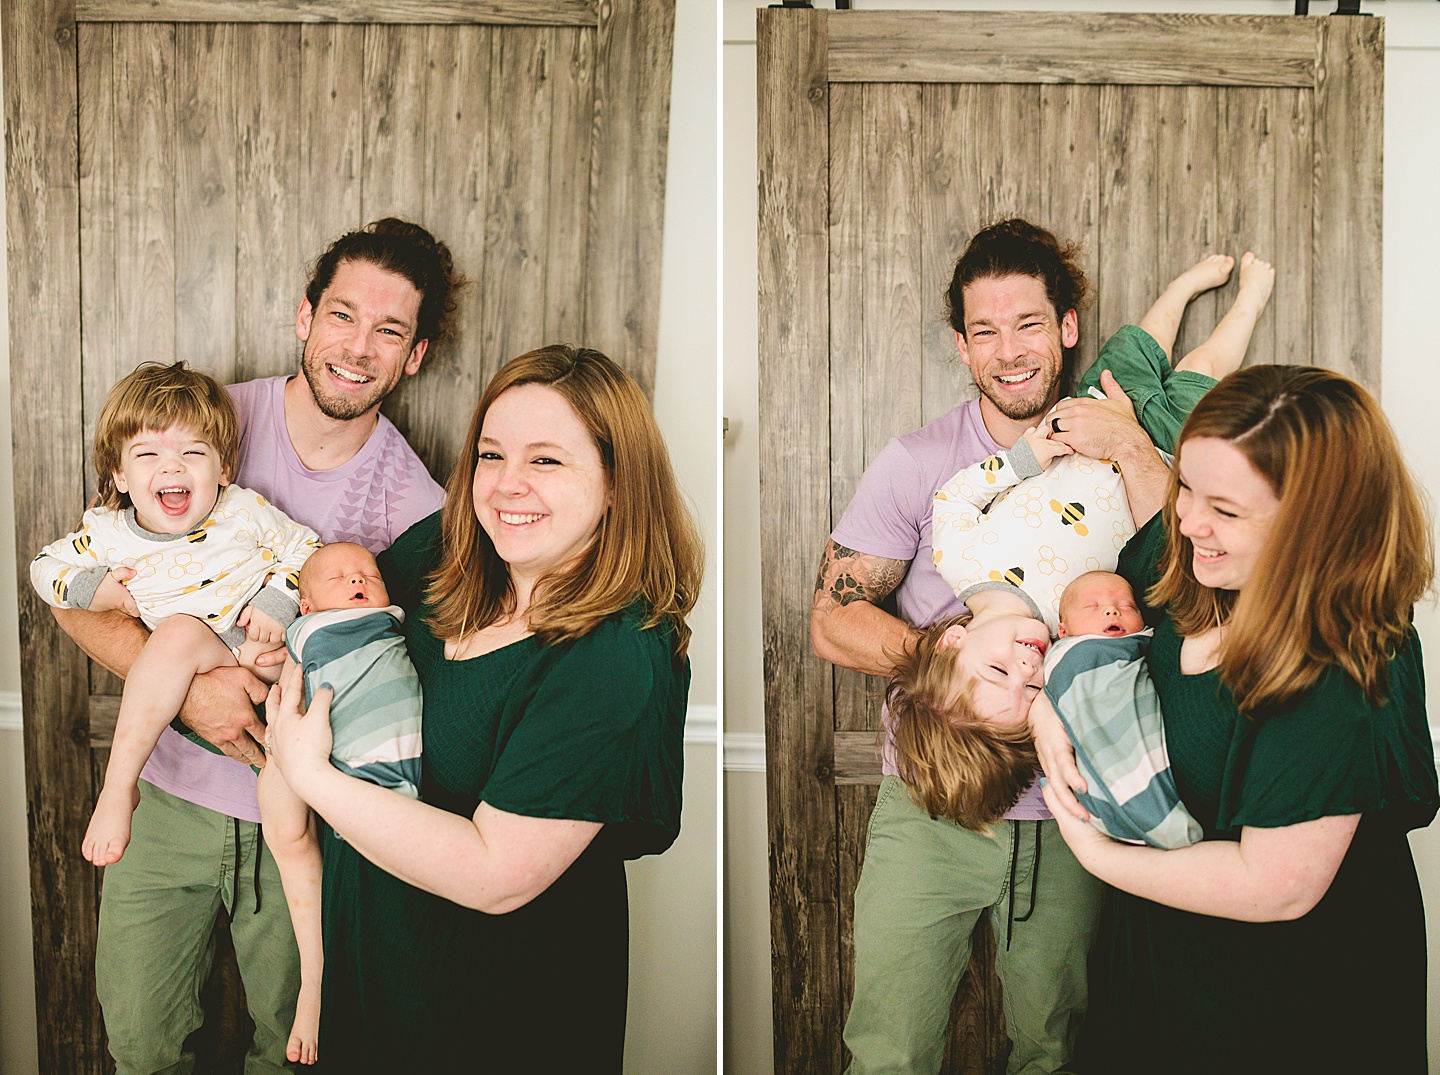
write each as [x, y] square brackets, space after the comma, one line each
[341, 575]
[1099, 603]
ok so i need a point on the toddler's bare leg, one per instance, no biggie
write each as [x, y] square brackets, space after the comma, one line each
[249, 651]
[179, 649]
[1224, 349]
[1162, 321]
[290, 833]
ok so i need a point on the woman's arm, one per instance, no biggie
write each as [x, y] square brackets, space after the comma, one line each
[494, 861]
[1269, 875]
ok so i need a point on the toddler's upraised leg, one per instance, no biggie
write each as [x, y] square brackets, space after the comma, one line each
[290, 833]
[1162, 320]
[1224, 349]
[179, 649]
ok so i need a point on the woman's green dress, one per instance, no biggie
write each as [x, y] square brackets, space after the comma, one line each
[590, 730]
[1341, 989]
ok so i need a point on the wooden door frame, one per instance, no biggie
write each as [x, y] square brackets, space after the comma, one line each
[799, 53]
[625, 215]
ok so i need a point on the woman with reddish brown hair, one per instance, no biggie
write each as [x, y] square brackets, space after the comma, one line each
[1282, 576]
[484, 928]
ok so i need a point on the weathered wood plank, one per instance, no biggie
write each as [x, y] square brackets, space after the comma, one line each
[793, 158]
[99, 303]
[627, 182]
[395, 116]
[847, 297]
[432, 408]
[1128, 279]
[513, 282]
[331, 118]
[1349, 134]
[459, 12]
[1135, 49]
[857, 757]
[269, 275]
[949, 218]
[43, 243]
[1295, 289]
[1070, 190]
[1247, 202]
[571, 72]
[1185, 210]
[205, 198]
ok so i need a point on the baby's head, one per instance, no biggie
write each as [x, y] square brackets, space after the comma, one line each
[341, 575]
[1099, 603]
[958, 763]
[165, 442]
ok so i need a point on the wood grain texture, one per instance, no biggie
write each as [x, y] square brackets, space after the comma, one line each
[462, 12]
[1294, 227]
[1137, 49]
[634, 54]
[395, 113]
[1248, 203]
[99, 301]
[1349, 132]
[1185, 210]
[1070, 191]
[432, 409]
[43, 243]
[269, 270]
[332, 137]
[571, 73]
[794, 496]
[852, 816]
[1129, 278]
[205, 180]
[847, 297]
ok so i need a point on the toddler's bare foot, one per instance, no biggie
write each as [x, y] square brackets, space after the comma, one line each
[1210, 271]
[1257, 280]
[303, 1046]
[108, 833]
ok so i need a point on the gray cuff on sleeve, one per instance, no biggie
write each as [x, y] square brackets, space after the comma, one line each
[80, 588]
[276, 605]
[1023, 461]
[232, 636]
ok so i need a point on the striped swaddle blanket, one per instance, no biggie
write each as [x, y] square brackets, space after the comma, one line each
[1101, 689]
[375, 716]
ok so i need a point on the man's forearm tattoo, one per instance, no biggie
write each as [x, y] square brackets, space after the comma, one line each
[841, 582]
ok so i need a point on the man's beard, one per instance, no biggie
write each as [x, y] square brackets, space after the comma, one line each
[341, 408]
[1023, 408]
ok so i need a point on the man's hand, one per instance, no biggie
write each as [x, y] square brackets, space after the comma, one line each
[219, 708]
[260, 626]
[111, 595]
[1100, 428]
[1107, 429]
[1045, 449]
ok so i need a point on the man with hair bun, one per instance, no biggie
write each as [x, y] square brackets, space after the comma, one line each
[318, 447]
[1013, 303]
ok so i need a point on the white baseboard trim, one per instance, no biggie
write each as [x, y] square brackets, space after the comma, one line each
[10, 711]
[744, 752]
[702, 725]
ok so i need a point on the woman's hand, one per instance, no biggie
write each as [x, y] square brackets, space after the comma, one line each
[1085, 839]
[1057, 758]
[299, 743]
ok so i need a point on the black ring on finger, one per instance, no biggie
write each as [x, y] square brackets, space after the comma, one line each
[1055, 426]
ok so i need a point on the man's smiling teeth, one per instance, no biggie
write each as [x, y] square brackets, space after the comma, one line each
[1015, 378]
[346, 375]
[513, 519]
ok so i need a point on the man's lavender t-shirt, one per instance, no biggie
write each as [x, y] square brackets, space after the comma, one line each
[890, 514]
[371, 500]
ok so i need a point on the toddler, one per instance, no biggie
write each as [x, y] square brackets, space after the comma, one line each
[348, 638]
[211, 568]
[1012, 531]
[971, 767]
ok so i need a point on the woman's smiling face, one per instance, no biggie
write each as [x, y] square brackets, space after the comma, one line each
[1225, 508]
[540, 485]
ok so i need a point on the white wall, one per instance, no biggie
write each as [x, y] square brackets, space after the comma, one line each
[673, 991]
[1410, 380]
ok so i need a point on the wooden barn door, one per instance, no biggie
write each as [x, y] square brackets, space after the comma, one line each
[171, 166]
[885, 141]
